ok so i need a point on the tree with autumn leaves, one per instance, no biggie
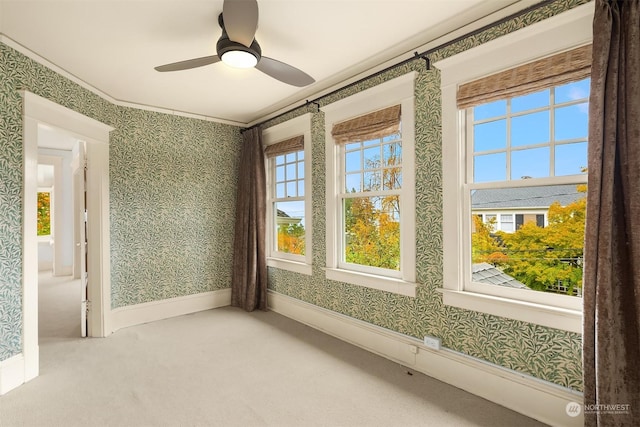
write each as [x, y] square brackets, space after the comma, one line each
[44, 214]
[541, 258]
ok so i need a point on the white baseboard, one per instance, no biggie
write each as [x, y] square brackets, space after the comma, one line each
[527, 395]
[11, 373]
[158, 310]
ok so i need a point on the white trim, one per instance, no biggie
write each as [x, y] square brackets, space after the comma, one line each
[559, 33]
[300, 125]
[36, 112]
[398, 90]
[11, 373]
[527, 395]
[158, 310]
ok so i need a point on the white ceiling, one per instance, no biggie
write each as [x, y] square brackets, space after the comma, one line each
[113, 45]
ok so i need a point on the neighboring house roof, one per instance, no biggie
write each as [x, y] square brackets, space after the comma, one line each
[525, 197]
[486, 273]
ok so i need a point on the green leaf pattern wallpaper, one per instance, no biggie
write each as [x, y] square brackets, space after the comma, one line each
[549, 354]
[172, 195]
[172, 205]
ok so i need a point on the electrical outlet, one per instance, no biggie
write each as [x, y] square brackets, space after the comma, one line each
[432, 342]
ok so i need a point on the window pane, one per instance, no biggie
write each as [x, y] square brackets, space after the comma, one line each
[280, 173]
[530, 101]
[280, 191]
[392, 154]
[300, 155]
[492, 109]
[533, 163]
[573, 91]
[372, 157]
[392, 137]
[392, 179]
[292, 186]
[352, 146]
[352, 161]
[290, 227]
[291, 171]
[291, 157]
[490, 167]
[490, 136]
[300, 188]
[353, 182]
[372, 231]
[372, 181]
[543, 258]
[44, 213]
[300, 170]
[572, 122]
[571, 159]
[280, 160]
[371, 142]
[530, 129]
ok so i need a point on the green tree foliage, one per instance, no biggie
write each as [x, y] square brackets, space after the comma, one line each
[544, 259]
[44, 214]
[372, 233]
[291, 238]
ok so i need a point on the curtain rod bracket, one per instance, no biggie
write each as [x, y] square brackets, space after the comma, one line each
[314, 103]
[426, 59]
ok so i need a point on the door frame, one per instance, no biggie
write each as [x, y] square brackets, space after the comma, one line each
[38, 111]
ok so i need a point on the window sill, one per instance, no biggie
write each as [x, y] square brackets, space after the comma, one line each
[544, 315]
[285, 264]
[388, 284]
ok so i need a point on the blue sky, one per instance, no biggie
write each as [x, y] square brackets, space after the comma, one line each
[533, 130]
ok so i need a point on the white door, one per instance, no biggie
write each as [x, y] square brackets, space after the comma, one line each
[79, 168]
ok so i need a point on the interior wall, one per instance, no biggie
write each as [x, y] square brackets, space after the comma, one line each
[172, 198]
[548, 354]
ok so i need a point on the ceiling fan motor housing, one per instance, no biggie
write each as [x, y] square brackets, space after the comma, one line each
[225, 45]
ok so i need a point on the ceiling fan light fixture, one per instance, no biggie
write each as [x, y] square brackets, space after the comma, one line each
[239, 59]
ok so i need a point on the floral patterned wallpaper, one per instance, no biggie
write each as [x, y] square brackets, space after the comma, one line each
[549, 354]
[172, 199]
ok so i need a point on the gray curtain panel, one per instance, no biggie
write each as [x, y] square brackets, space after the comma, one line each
[611, 340]
[249, 281]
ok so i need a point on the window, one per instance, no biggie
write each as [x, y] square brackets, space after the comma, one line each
[370, 187]
[514, 158]
[44, 213]
[288, 152]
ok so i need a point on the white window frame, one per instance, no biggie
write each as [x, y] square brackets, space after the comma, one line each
[300, 125]
[562, 32]
[393, 92]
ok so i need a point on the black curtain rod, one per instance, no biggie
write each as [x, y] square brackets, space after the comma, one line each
[416, 55]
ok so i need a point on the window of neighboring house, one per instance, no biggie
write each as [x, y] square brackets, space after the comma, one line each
[370, 188]
[44, 213]
[288, 152]
[515, 139]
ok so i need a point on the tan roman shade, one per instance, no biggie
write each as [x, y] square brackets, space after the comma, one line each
[562, 68]
[287, 146]
[370, 126]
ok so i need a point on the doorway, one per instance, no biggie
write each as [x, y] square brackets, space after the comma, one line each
[39, 114]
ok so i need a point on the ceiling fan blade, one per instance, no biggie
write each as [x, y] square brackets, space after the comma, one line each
[284, 72]
[189, 63]
[240, 20]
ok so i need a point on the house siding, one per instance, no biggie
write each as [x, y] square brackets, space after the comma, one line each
[549, 354]
[172, 195]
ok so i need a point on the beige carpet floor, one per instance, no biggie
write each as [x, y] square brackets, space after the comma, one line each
[225, 367]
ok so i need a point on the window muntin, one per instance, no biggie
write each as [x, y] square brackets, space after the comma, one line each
[515, 144]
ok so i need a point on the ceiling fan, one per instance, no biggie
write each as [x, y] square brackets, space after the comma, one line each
[237, 46]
